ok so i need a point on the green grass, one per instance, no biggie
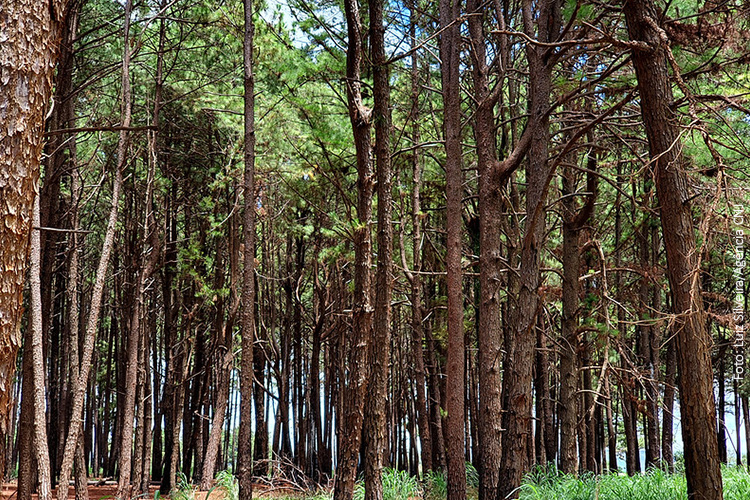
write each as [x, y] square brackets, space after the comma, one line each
[397, 485]
[543, 483]
[549, 484]
[227, 482]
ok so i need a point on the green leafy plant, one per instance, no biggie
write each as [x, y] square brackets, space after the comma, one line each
[226, 481]
[397, 485]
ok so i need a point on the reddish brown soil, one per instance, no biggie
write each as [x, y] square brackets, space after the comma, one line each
[107, 492]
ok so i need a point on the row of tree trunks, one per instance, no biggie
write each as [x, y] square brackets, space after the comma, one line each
[190, 392]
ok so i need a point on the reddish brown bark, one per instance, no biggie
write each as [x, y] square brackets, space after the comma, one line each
[375, 423]
[245, 452]
[30, 40]
[357, 351]
[693, 342]
[450, 42]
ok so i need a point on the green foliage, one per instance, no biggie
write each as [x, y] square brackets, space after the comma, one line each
[436, 486]
[551, 484]
[184, 490]
[397, 485]
[226, 481]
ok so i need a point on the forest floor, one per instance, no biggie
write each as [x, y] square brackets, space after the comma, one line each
[107, 491]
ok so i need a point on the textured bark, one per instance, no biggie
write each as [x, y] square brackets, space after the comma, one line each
[450, 43]
[573, 221]
[26, 455]
[569, 344]
[517, 381]
[35, 350]
[489, 332]
[698, 410]
[30, 39]
[245, 472]
[217, 423]
[128, 408]
[375, 423]
[355, 384]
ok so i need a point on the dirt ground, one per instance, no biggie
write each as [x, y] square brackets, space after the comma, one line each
[8, 492]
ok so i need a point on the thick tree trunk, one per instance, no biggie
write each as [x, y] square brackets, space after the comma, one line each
[375, 423]
[517, 378]
[698, 410]
[489, 330]
[356, 353]
[30, 39]
[450, 43]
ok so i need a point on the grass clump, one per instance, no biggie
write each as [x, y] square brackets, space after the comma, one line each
[736, 483]
[550, 484]
[436, 484]
[227, 482]
[397, 485]
[547, 483]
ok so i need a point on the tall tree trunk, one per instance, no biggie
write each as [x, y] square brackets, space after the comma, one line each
[355, 383]
[702, 465]
[517, 381]
[574, 220]
[450, 43]
[89, 341]
[81, 479]
[128, 408]
[245, 458]
[423, 411]
[375, 423]
[30, 40]
[35, 350]
[572, 225]
[489, 330]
